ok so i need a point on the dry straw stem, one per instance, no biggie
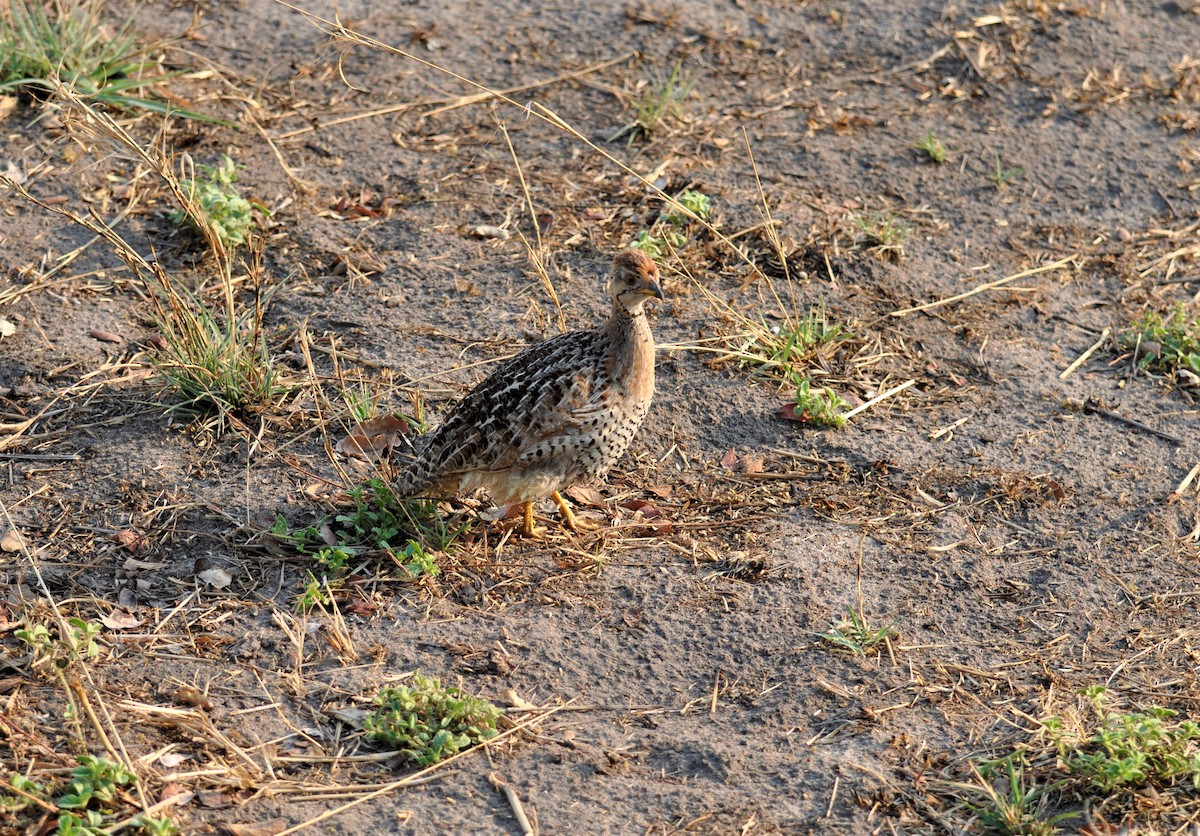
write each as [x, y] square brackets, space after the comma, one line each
[1082, 358]
[456, 102]
[1062, 263]
[537, 256]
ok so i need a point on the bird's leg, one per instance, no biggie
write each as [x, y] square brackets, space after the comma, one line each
[572, 522]
[527, 527]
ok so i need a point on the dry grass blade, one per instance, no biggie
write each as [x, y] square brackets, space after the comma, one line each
[1060, 264]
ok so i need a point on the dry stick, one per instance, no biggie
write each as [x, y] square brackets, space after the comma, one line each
[1083, 357]
[1055, 265]
[452, 104]
[514, 801]
[1187, 480]
[1090, 406]
[387, 789]
[894, 390]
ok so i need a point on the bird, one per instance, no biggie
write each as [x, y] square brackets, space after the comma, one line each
[561, 412]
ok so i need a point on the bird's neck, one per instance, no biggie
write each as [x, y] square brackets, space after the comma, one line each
[632, 347]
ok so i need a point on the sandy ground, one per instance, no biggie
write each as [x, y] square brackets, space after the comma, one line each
[1020, 546]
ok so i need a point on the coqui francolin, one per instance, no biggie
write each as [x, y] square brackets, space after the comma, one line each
[561, 412]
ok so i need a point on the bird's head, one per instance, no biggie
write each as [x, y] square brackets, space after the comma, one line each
[634, 280]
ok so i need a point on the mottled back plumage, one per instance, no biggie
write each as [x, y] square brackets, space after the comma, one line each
[561, 412]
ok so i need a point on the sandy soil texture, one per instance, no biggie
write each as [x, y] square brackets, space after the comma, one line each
[1008, 526]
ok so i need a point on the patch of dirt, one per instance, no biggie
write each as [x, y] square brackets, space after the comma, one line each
[1022, 547]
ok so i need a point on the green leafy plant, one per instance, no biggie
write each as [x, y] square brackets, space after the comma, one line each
[215, 194]
[27, 787]
[661, 245]
[1166, 343]
[90, 795]
[931, 147]
[1130, 750]
[409, 531]
[694, 201]
[819, 405]
[1000, 175]
[42, 44]
[95, 779]
[428, 721]
[77, 643]
[852, 634]
[669, 233]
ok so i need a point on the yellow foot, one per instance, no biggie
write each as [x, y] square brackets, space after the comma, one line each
[572, 522]
[527, 527]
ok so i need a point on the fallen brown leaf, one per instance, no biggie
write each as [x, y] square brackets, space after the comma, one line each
[586, 495]
[12, 541]
[131, 540]
[372, 439]
[106, 336]
[121, 620]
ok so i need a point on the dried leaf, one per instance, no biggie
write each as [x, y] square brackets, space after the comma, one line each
[645, 511]
[215, 800]
[352, 717]
[12, 541]
[372, 439]
[132, 540]
[789, 412]
[188, 695]
[169, 761]
[216, 578]
[127, 598]
[586, 495]
[753, 463]
[120, 620]
[7, 105]
[730, 461]
[661, 491]
[106, 336]
[145, 565]
[361, 607]
[7, 329]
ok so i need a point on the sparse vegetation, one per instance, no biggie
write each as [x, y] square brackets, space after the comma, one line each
[214, 364]
[661, 99]
[42, 44]
[931, 147]
[222, 208]
[852, 634]
[428, 721]
[882, 232]
[669, 233]
[1166, 342]
[819, 405]
[999, 175]
[87, 801]
[409, 532]
[1019, 807]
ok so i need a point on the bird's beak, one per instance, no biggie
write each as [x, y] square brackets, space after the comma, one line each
[655, 290]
